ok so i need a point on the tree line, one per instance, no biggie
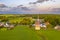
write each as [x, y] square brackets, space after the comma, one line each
[27, 19]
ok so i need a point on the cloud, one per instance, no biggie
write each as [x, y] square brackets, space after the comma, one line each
[56, 10]
[2, 5]
[20, 6]
[21, 9]
[32, 2]
[39, 1]
[24, 10]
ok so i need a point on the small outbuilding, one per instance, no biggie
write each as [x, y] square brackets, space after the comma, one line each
[57, 27]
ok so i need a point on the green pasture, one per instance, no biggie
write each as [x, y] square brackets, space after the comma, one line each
[26, 33]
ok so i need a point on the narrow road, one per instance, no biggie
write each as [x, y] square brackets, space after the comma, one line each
[43, 37]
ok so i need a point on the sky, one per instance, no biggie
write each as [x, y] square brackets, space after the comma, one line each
[37, 5]
[14, 3]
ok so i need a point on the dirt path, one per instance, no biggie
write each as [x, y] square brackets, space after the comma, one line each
[43, 37]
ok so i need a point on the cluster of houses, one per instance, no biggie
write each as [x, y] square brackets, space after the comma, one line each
[39, 24]
[6, 25]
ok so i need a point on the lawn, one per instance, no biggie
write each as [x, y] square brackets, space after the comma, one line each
[26, 33]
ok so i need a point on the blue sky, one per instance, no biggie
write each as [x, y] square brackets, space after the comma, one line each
[16, 2]
[13, 3]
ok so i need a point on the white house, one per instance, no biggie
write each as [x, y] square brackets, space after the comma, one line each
[57, 27]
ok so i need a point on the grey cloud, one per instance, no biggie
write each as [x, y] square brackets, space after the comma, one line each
[32, 2]
[20, 5]
[39, 1]
[56, 9]
[2, 5]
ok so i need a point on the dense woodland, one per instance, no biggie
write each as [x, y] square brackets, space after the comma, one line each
[27, 19]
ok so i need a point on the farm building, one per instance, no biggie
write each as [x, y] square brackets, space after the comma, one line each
[57, 27]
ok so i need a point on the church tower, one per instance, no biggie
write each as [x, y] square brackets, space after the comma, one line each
[37, 24]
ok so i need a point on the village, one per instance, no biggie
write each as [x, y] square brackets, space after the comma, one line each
[6, 25]
[38, 24]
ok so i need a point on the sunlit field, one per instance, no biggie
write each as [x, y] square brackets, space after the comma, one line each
[26, 33]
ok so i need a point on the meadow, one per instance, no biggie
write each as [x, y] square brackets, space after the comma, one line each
[25, 33]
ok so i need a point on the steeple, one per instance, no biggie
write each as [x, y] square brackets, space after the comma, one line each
[37, 24]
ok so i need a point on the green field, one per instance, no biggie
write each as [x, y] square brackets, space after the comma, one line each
[26, 33]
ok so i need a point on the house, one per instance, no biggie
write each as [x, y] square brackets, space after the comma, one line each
[57, 27]
[1, 24]
[43, 25]
[6, 25]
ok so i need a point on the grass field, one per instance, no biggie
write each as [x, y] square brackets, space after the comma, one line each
[26, 33]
